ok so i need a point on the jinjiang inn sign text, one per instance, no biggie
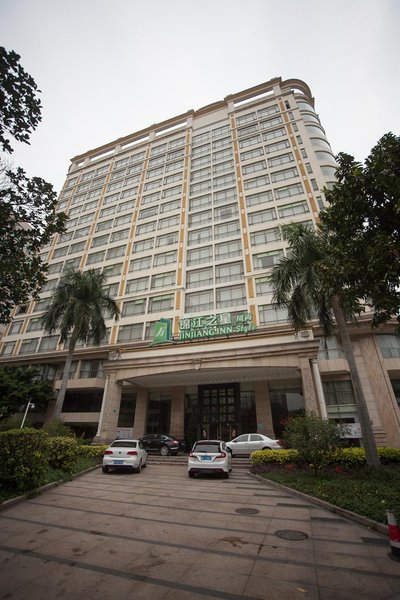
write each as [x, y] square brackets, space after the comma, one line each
[206, 326]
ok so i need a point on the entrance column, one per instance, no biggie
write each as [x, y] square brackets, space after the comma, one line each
[109, 414]
[310, 400]
[320, 389]
[177, 422]
[263, 409]
[140, 422]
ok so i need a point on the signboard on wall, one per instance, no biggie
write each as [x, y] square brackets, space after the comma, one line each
[124, 433]
[352, 430]
[195, 328]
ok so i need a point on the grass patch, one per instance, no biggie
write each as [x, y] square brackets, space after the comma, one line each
[53, 475]
[365, 491]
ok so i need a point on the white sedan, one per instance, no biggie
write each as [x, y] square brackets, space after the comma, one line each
[209, 456]
[125, 453]
[250, 442]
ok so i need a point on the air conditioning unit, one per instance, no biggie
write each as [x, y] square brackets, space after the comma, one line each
[305, 334]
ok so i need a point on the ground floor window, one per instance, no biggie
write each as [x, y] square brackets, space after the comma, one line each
[83, 401]
[286, 401]
[127, 409]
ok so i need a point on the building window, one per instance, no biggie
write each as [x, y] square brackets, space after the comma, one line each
[140, 263]
[150, 198]
[48, 343]
[137, 285]
[389, 345]
[338, 393]
[200, 236]
[170, 206]
[8, 348]
[289, 210]
[265, 237]
[199, 277]
[260, 198]
[268, 214]
[134, 307]
[172, 221]
[220, 131]
[251, 141]
[130, 332]
[266, 260]
[223, 167]
[122, 234]
[246, 118]
[165, 258]
[228, 249]
[225, 212]
[163, 280]
[329, 349]
[256, 182]
[166, 239]
[222, 154]
[284, 174]
[268, 110]
[143, 245]
[264, 286]
[229, 272]
[113, 270]
[227, 230]
[251, 154]
[115, 252]
[231, 296]
[205, 149]
[29, 346]
[200, 202]
[199, 139]
[244, 131]
[95, 257]
[161, 303]
[254, 167]
[272, 313]
[145, 213]
[271, 123]
[277, 146]
[224, 180]
[200, 255]
[15, 327]
[288, 191]
[174, 191]
[146, 228]
[101, 240]
[100, 226]
[35, 324]
[199, 301]
[82, 232]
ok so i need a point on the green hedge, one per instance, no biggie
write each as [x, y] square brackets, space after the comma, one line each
[344, 457]
[62, 453]
[23, 458]
[92, 451]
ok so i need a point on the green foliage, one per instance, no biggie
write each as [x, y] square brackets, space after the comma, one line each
[314, 438]
[367, 492]
[57, 428]
[14, 422]
[19, 386]
[23, 458]
[389, 455]
[276, 457]
[92, 451]
[362, 222]
[62, 453]
[20, 107]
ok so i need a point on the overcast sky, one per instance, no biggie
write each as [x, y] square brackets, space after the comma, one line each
[109, 68]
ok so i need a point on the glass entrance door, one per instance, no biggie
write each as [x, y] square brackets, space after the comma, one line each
[219, 410]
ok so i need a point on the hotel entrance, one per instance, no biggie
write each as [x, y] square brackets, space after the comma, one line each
[219, 410]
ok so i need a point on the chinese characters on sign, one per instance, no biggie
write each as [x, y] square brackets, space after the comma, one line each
[194, 328]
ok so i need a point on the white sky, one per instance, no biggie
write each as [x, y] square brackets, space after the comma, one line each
[109, 68]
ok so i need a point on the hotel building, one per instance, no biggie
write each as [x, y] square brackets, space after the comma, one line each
[185, 217]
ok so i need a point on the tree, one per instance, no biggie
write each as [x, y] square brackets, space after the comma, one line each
[28, 215]
[20, 386]
[363, 222]
[77, 311]
[302, 283]
[28, 219]
[20, 108]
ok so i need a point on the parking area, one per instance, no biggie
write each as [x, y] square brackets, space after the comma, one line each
[159, 534]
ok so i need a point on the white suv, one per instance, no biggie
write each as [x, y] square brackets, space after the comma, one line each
[209, 456]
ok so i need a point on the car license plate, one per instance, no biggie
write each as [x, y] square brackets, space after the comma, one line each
[118, 462]
[206, 458]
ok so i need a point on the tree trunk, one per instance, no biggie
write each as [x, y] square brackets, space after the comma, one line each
[371, 452]
[64, 380]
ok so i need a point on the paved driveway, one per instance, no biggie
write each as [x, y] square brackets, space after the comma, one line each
[159, 534]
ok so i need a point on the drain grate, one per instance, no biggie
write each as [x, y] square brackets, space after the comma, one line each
[247, 511]
[291, 534]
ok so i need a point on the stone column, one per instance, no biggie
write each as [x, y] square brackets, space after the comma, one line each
[320, 390]
[107, 430]
[140, 422]
[263, 409]
[177, 423]
[310, 400]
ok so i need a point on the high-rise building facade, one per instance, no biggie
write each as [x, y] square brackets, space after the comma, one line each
[185, 217]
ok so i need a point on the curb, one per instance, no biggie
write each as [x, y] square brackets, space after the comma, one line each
[43, 488]
[348, 514]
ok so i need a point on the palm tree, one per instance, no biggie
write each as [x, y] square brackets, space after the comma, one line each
[299, 285]
[77, 311]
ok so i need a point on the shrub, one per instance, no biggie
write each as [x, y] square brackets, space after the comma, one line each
[14, 422]
[276, 457]
[389, 455]
[63, 453]
[314, 438]
[23, 458]
[57, 428]
[92, 451]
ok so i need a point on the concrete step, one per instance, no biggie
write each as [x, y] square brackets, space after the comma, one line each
[181, 460]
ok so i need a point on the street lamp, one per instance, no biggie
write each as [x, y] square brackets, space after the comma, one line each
[28, 406]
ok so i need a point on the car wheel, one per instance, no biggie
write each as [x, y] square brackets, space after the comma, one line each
[226, 475]
[144, 465]
[190, 474]
[138, 469]
[164, 450]
[266, 448]
[105, 469]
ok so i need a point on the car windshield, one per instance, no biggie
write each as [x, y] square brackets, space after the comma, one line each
[123, 445]
[209, 448]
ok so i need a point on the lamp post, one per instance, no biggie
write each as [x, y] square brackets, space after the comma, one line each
[28, 406]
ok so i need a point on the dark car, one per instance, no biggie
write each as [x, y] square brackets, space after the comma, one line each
[162, 443]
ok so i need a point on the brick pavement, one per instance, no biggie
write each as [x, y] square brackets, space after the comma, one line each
[159, 534]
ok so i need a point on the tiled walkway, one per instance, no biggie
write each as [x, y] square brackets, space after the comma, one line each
[159, 534]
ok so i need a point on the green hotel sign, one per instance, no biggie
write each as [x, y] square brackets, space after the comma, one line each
[197, 328]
